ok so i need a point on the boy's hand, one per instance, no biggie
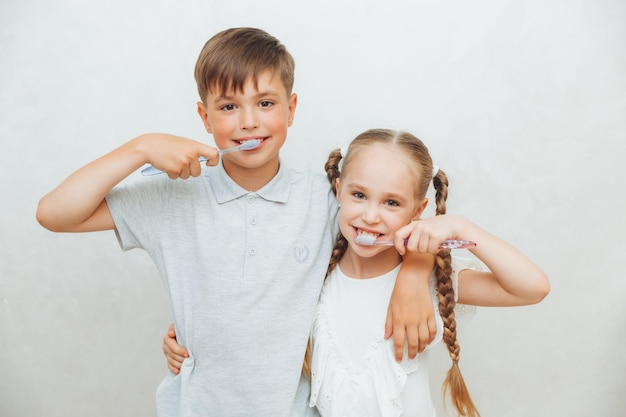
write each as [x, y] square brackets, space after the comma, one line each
[174, 353]
[175, 155]
[411, 315]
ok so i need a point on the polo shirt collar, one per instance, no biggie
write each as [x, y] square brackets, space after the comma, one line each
[225, 189]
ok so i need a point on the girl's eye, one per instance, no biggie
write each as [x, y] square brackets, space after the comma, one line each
[358, 195]
[392, 203]
[228, 107]
[266, 103]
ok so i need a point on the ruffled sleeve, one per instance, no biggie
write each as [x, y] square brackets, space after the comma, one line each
[459, 264]
[328, 373]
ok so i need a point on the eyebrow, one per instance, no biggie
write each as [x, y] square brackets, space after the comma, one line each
[387, 195]
[258, 95]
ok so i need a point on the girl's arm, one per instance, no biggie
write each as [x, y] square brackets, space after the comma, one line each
[512, 279]
[78, 203]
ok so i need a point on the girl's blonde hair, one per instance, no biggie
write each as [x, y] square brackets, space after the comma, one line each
[417, 153]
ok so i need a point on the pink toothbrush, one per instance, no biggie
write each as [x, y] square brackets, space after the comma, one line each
[246, 146]
[368, 240]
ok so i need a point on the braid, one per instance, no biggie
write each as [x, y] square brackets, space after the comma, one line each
[454, 381]
[332, 169]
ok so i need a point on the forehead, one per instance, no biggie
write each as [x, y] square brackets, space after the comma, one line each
[265, 81]
[383, 168]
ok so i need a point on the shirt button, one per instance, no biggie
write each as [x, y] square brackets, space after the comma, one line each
[253, 221]
[252, 251]
[250, 199]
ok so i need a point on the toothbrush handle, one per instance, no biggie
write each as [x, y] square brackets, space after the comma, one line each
[450, 244]
[229, 150]
[150, 170]
[457, 244]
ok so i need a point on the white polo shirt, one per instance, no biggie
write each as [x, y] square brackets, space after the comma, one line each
[243, 271]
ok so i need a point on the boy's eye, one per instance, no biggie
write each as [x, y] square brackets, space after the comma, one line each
[392, 203]
[266, 103]
[228, 107]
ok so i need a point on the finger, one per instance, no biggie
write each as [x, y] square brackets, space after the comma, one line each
[413, 341]
[423, 244]
[424, 337]
[171, 347]
[195, 169]
[402, 234]
[389, 324]
[432, 329]
[173, 369]
[184, 173]
[174, 359]
[398, 342]
[210, 153]
[171, 331]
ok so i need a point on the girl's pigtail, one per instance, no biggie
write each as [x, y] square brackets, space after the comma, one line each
[332, 168]
[332, 173]
[454, 381]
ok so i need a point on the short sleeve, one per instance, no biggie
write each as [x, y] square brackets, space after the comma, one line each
[137, 208]
[459, 264]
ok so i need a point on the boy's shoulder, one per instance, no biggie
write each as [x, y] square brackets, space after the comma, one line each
[307, 177]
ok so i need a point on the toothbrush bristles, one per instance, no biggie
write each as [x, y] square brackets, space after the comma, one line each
[250, 144]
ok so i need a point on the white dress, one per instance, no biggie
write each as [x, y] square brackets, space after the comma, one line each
[353, 368]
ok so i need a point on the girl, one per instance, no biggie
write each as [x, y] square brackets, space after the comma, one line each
[352, 367]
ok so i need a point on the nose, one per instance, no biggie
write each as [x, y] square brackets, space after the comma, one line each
[249, 119]
[371, 214]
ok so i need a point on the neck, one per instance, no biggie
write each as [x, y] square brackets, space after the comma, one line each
[356, 266]
[251, 179]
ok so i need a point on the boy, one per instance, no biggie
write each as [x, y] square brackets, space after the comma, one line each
[242, 248]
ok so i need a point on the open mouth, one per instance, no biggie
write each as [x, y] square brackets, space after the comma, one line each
[242, 141]
[363, 236]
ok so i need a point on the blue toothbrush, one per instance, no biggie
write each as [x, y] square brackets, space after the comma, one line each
[246, 146]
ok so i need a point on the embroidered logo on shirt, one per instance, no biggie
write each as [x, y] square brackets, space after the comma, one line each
[301, 253]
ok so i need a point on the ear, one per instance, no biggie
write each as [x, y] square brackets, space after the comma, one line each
[420, 209]
[205, 117]
[337, 188]
[293, 101]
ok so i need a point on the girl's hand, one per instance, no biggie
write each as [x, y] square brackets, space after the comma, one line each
[174, 353]
[426, 236]
[175, 155]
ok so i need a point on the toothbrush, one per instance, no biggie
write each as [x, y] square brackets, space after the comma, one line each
[246, 146]
[368, 240]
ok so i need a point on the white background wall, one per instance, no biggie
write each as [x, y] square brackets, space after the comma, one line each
[522, 103]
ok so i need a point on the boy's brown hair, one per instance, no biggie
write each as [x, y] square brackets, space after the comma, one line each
[233, 56]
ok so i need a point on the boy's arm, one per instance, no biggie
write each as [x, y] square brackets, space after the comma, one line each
[411, 315]
[78, 203]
